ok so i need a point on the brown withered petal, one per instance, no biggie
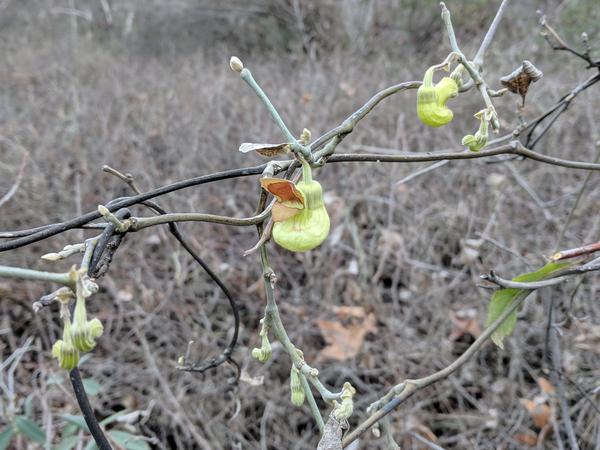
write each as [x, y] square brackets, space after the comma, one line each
[519, 80]
[284, 190]
[268, 150]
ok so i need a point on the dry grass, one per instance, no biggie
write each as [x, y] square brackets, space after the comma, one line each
[75, 105]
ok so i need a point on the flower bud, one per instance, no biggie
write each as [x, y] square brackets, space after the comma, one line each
[431, 99]
[344, 410]
[296, 389]
[236, 64]
[263, 354]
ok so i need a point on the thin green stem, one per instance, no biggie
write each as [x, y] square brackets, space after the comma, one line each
[36, 275]
[139, 223]
[312, 404]
[275, 324]
[471, 68]
[296, 146]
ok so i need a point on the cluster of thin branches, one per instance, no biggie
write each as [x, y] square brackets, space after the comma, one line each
[117, 222]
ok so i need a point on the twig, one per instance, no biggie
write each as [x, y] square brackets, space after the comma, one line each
[478, 59]
[403, 391]
[139, 223]
[493, 278]
[562, 396]
[578, 251]
[13, 189]
[225, 355]
[575, 205]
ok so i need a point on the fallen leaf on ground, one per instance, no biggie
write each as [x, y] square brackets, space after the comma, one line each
[538, 408]
[345, 340]
[529, 438]
[464, 321]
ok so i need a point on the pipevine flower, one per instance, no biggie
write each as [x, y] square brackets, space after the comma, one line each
[63, 349]
[263, 354]
[432, 98]
[301, 222]
[477, 141]
[84, 332]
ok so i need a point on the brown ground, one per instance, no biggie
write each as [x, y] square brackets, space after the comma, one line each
[158, 100]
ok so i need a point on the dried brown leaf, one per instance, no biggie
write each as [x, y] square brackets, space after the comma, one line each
[269, 150]
[344, 341]
[540, 411]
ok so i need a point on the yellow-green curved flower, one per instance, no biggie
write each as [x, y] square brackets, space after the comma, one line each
[84, 332]
[431, 99]
[64, 350]
[301, 222]
[477, 141]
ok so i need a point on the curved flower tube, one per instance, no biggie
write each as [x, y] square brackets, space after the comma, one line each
[84, 332]
[301, 222]
[63, 349]
[431, 99]
[477, 141]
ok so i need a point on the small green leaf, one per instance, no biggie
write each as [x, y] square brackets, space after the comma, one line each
[30, 430]
[129, 441]
[503, 298]
[67, 443]
[91, 386]
[78, 421]
[6, 436]
[28, 406]
[91, 445]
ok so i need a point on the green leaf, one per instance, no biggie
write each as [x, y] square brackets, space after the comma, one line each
[28, 406]
[91, 386]
[78, 421]
[503, 298]
[128, 441]
[91, 445]
[6, 436]
[30, 430]
[67, 443]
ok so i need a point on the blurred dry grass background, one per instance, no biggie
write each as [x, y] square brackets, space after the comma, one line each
[144, 85]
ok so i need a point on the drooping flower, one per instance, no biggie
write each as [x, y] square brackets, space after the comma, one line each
[477, 141]
[63, 349]
[432, 98]
[84, 332]
[301, 222]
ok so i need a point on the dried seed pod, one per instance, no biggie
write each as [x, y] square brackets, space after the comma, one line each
[519, 80]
